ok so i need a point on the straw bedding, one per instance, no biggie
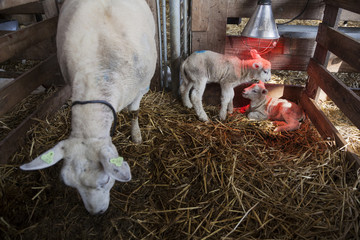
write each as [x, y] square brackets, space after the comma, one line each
[232, 180]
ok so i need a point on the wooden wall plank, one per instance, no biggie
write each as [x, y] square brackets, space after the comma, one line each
[335, 64]
[217, 26]
[331, 18]
[10, 144]
[339, 93]
[285, 9]
[289, 54]
[29, 8]
[282, 9]
[4, 4]
[341, 45]
[16, 42]
[199, 41]
[200, 20]
[351, 5]
[325, 128]
[50, 8]
[26, 83]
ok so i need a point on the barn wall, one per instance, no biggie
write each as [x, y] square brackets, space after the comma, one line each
[209, 19]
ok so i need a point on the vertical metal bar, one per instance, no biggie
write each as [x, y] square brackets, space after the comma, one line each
[165, 43]
[160, 42]
[175, 45]
[185, 28]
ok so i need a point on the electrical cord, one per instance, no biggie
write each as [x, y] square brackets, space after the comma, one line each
[307, 3]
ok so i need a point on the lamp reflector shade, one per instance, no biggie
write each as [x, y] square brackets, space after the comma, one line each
[261, 24]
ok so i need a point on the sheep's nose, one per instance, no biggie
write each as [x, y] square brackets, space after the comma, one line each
[101, 212]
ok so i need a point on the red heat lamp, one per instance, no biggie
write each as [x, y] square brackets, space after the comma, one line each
[261, 33]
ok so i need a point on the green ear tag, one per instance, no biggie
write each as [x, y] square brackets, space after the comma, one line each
[117, 161]
[48, 157]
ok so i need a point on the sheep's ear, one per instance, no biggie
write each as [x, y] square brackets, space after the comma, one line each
[257, 65]
[261, 83]
[254, 54]
[114, 165]
[264, 91]
[47, 159]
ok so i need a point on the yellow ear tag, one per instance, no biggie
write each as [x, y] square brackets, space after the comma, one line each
[48, 157]
[117, 161]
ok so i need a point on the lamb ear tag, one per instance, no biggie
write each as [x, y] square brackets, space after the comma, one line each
[117, 161]
[48, 157]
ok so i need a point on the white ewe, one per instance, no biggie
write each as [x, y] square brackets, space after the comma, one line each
[107, 52]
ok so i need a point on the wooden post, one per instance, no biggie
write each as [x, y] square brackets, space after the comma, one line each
[331, 18]
[50, 8]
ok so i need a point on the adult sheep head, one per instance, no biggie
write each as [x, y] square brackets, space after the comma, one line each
[261, 67]
[90, 165]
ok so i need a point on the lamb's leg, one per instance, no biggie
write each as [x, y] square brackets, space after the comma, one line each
[289, 125]
[196, 98]
[227, 94]
[231, 106]
[134, 111]
[185, 93]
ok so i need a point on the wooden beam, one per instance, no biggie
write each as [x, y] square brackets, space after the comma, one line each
[282, 9]
[16, 42]
[285, 9]
[341, 45]
[4, 4]
[351, 5]
[340, 94]
[26, 83]
[15, 138]
[50, 8]
[29, 8]
[325, 128]
[331, 18]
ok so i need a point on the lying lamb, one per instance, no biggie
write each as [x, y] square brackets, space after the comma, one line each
[204, 67]
[107, 52]
[286, 115]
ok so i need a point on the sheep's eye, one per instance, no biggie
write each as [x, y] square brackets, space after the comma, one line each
[265, 71]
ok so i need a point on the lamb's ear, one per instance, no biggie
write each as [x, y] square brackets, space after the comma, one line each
[47, 159]
[254, 54]
[114, 165]
[264, 91]
[257, 65]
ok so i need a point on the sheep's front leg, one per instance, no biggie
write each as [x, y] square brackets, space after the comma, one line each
[227, 94]
[134, 111]
[196, 98]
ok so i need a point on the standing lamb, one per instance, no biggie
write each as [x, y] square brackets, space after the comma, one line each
[107, 52]
[286, 115]
[204, 67]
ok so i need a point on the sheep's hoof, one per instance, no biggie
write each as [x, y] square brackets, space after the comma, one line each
[222, 118]
[204, 119]
[136, 138]
[190, 106]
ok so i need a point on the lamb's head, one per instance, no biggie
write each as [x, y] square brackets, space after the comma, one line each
[261, 68]
[256, 91]
[90, 165]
